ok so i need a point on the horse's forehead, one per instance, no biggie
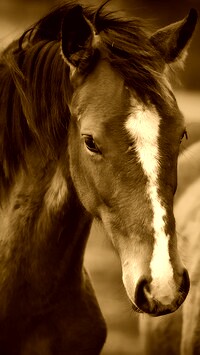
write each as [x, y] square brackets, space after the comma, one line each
[105, 98]
[105, 76]
[147, 123]
[102, 91]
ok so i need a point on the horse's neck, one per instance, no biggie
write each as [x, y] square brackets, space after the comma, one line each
[43, 232]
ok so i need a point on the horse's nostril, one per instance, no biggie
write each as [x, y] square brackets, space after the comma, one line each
[185, 284]
[142, 295]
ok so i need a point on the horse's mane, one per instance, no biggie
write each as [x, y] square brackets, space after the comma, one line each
[34, 80]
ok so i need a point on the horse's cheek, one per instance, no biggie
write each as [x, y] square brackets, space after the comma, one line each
[81, 179]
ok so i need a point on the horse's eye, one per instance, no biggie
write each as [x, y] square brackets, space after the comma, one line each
[184, 134]
[91, 145]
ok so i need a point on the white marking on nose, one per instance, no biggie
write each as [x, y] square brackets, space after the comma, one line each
[143, 127]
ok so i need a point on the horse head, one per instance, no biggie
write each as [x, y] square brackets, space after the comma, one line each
[124, 137]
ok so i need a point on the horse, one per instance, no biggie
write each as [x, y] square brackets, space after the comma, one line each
[178, 333]
[90, 129]
[188, 217]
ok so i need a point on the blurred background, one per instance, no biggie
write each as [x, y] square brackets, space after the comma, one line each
[101, 260]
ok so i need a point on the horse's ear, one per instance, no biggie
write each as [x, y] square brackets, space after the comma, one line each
[172, 41]
[77, 37]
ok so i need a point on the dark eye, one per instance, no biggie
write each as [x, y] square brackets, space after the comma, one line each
[184, 134]
[91, 145]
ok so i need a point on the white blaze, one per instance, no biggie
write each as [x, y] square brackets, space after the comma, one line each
[143, 127]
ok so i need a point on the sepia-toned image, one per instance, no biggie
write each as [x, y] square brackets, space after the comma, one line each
[100, 177]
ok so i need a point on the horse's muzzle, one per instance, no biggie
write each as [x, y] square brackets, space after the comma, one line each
[146, 303]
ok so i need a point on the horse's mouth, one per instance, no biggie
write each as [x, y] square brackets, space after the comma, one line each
[136, 309]
[158, 309]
